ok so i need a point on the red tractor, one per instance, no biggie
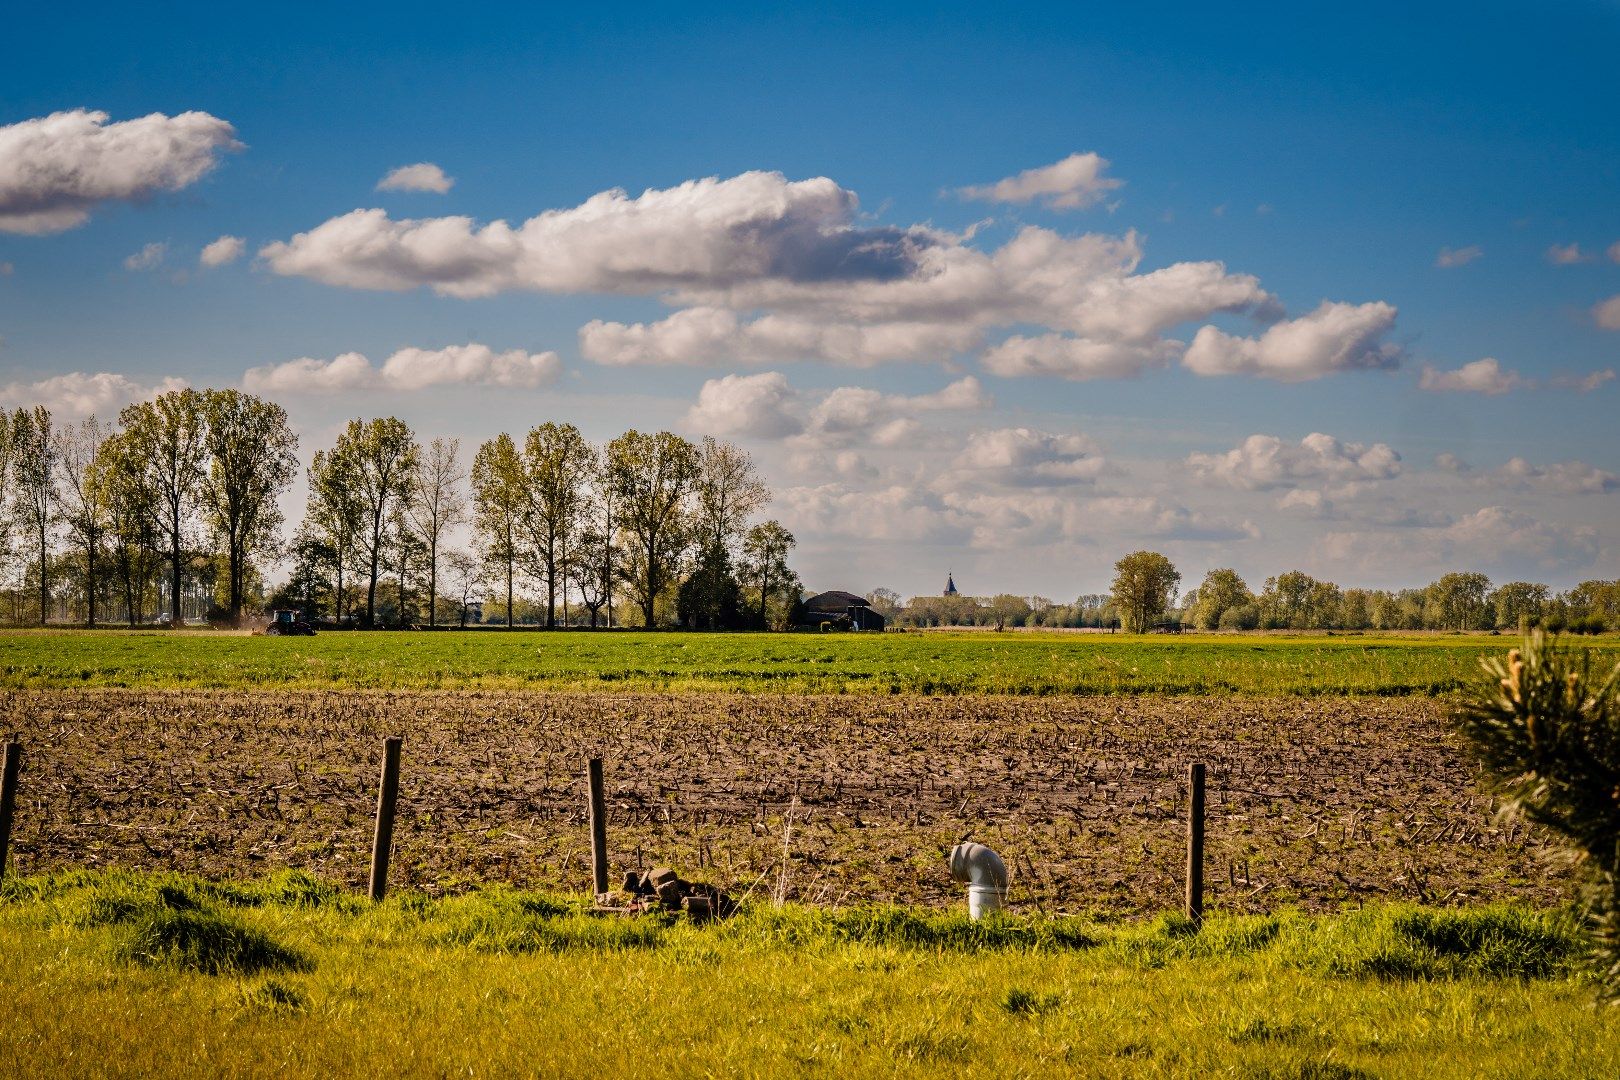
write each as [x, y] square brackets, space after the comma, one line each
[289, 622]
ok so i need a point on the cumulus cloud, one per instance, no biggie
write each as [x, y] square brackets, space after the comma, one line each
[767, 271]
[1024, 458]
[707, 336]
[79, 394]
[1077, 359]
[1606, 313]
[149, 257]
[1335, 337]
[1566, 255]
[1451, 463]
[1085, 285]
[1074, 183]
[1565, 477]
[1450, 258]
[55, 170]
[1264, 462]
[1495, 530]
[1485, 376]
[766, 405]
[408, 369]
[223, 252]
[703, 233]
[763, 406]
[423, 176]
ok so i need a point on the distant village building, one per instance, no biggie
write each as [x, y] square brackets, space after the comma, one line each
[843, 609]
[950, 585]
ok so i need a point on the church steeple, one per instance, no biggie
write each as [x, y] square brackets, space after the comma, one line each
[950, 584]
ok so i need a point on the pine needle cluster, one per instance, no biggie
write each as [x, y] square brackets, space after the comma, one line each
[1547, 726]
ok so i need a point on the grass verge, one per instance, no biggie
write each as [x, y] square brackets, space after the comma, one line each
[288, 975]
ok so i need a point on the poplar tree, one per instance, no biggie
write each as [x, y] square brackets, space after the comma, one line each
[165, 444]
[499, 502]
[251, 461]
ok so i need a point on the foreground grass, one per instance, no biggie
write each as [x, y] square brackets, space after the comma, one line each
[932, 663]
[117, 974]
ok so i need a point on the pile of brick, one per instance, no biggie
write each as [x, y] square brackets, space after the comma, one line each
[664, 888]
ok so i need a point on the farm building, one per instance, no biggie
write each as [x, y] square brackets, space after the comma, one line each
[841, 609]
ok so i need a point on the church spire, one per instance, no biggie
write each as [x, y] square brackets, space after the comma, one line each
[950, 584]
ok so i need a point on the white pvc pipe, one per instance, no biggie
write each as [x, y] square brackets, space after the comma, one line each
[985, 875]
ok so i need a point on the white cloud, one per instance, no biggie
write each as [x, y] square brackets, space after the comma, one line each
[1566, 255]
[1449, 258]
[707, 336]
[149, 257]
[1024, 458]
[765, 405]
[423, 176]
[1074, 183]
[55, 170]
[223, 252]
[1493, 531]
[1335, 337]
[1606, 313]
[407, 370]
[1263, 462]
[1485, 376]
[769, 271]
[704, 233]
[1451, 463]
[79, 394]
[1564, 477]
[1077, 359]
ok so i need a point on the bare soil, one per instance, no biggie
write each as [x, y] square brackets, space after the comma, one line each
[1311, 802]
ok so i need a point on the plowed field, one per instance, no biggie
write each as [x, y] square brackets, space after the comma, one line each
[1314, 802]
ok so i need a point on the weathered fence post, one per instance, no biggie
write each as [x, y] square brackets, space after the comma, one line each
[383, 840]
[8, 797]
[599, 859]
[1195, 844]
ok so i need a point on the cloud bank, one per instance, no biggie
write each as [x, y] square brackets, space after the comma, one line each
[56, 169]
[408, 370]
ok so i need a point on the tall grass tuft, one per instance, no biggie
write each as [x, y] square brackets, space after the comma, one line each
[1547, 726]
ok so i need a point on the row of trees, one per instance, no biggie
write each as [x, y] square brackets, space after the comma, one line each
[186, 483]
[665, 523]
[1144, 594]
[177, 505]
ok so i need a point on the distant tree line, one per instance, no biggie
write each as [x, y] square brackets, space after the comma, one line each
[172, 514]
[1144, 596]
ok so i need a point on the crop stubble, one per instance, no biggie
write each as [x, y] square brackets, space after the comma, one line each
[821, 799]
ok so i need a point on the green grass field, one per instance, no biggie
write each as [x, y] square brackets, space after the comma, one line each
[286, 976]
[928, 663]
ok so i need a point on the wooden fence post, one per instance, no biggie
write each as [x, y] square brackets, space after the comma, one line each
[383, 840]
[8, 797]
[599, 859]
[1195, 844]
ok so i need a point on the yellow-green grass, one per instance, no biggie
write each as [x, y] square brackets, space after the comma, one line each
[286, 977]
[930, 663]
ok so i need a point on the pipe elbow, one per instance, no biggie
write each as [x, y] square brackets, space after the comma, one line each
[976, 864]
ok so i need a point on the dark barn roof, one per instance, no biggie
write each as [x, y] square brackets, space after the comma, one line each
[835, 600]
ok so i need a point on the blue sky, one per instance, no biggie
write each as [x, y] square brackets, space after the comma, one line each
[1317, 156]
